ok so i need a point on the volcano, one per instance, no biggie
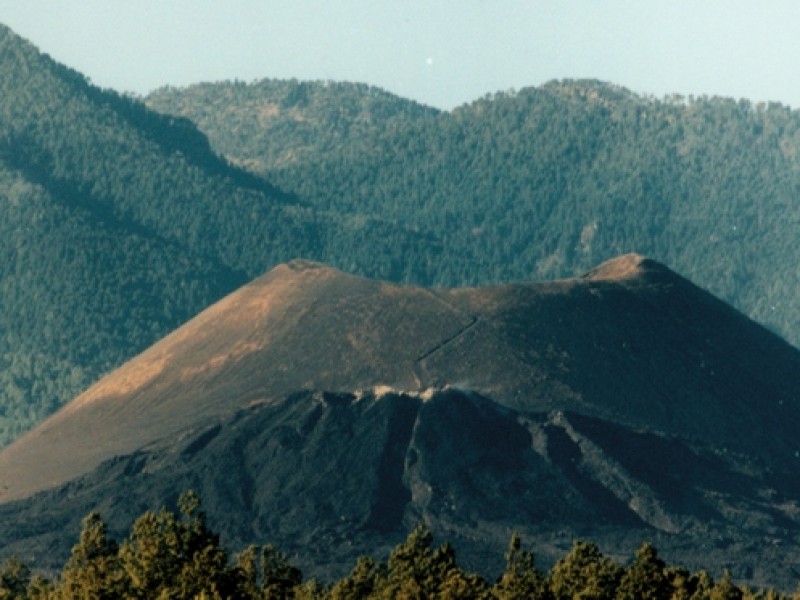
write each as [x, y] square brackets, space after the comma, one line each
[329, 413]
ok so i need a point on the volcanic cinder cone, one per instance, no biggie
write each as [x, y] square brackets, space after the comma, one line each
[627, 397]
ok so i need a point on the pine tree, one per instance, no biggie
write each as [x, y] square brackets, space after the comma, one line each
[586, 574]
[177, 556]
[15, 578]
[645, 578]
[93, 571]
[366, 579]
[521, 578]
[725, 590]
[280, 578]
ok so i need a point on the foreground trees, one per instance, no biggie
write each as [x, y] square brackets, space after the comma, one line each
[176, 556]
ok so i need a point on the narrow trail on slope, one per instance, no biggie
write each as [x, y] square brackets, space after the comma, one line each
[418, 368]
[447, 341]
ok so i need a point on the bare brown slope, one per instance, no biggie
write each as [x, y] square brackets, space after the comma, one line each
[631, 342]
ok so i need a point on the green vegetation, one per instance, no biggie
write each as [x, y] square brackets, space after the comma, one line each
[118, 224]
[169, 555]
[543, 183]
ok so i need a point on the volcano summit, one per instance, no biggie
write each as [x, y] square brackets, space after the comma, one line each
[329, 413]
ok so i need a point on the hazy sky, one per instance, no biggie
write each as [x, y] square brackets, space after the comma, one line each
[442, 52]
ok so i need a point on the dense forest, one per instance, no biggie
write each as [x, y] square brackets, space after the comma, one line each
[541, 183]
[176, 555]
[118, 224]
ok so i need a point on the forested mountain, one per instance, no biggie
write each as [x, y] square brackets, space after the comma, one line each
[274, 123]
[117, 224]
[329, 414]
[541, 183]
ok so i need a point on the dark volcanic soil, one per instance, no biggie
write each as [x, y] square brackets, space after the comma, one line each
[329, 477]
[329, 414]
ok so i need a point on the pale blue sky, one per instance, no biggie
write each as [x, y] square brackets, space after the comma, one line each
[441, 52]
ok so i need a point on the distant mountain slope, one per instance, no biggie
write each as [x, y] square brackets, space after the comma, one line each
[118, 224]
[79, 294]
[312, 408]
[542, 183]
[274, 123]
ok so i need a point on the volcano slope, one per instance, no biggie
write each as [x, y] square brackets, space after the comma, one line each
[329, 414]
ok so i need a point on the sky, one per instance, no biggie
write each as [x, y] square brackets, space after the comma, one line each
[440, 52]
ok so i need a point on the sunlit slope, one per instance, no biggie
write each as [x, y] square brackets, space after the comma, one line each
[324, 411]
[541, 183]
[631, 342]
[119, 224]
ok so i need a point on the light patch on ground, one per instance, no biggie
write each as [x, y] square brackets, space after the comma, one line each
[390, 289]
[267, 112]
[379, 391]
[217, 361]
[587, 235]
[548, 265]
[623, 267]
[128, 378]
[239, 311]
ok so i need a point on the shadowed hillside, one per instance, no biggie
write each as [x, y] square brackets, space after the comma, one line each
[542, 183]
[321, 410]
[117, 224]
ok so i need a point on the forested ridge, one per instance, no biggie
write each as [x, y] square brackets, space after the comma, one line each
[176, 555]
[540, 183]
[118, 224]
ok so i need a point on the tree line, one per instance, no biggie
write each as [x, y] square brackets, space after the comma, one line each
[170, 554]
[541, 183]
[118, 224]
